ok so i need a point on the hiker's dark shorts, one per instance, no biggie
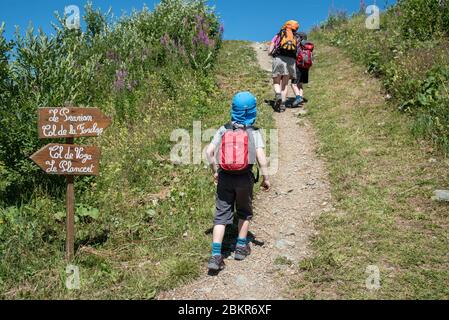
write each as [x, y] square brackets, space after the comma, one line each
[302, 76]
[234, 191]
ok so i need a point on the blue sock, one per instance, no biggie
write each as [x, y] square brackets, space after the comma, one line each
[216, 249]
[242, 242]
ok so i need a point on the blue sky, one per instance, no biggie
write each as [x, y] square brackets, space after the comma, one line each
[255, 20]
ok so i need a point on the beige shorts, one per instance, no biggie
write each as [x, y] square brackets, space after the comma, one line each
[284, 66]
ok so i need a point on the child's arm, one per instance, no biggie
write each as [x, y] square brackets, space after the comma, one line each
[263, 164]
[210, 153]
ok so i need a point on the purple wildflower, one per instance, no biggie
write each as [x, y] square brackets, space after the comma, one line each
[165, 40]
[120, 79]
[203, 37]
[200, 19]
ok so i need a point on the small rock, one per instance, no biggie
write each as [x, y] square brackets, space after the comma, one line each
[284, 244]
[205, 290]
[441, 195]
[432, 160]
[241, 281]
[281, 244]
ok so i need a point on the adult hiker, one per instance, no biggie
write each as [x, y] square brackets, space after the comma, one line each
[284, 47]
[235, 148]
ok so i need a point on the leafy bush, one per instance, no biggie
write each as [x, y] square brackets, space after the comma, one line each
[421, 19]
[107, 66]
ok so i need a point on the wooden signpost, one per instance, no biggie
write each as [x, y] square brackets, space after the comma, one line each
[69, 159]
[71, 122]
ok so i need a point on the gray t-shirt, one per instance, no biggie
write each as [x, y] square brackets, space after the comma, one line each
[258, 139]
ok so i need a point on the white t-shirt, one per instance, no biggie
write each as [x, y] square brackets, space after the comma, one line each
[258, 139]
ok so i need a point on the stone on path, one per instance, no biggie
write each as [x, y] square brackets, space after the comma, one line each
[441, 195]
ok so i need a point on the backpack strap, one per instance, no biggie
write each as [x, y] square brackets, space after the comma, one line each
[231, 126]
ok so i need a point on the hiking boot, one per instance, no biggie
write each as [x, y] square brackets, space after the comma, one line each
[277, 102]
[242, 252]
[282, 108]
[216, 263]
[297, 102]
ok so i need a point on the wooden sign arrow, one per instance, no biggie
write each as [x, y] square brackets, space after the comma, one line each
[68, 122]
[68, 159]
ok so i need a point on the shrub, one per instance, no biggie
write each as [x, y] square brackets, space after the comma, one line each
[421, 19]
[107, 66]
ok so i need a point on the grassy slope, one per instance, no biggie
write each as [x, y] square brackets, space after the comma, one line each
[155, 237]
[382, 181]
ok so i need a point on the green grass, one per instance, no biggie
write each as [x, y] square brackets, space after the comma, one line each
[150, 235]
[382, 181]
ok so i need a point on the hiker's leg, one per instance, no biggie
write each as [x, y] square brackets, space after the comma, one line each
[298, 93]
[244, 203]
[224, 214]
[284, 88]
[295, 88]
[301, 89]
[277, 84]
[243, 228]
[277, 89]
[219, 231]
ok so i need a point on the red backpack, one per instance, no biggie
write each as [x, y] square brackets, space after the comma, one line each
[234, 151]
[305, 56]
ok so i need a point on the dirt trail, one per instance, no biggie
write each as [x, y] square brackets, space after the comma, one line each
[283, 219]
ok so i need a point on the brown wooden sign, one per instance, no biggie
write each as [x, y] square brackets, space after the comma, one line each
[68, 159]
[68, 122]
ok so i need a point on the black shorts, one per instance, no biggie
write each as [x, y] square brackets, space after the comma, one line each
[302, 76]
[234, 192]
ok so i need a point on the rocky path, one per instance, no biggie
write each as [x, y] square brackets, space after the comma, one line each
[283, 219]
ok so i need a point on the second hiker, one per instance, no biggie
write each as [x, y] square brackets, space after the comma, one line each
[304, 62]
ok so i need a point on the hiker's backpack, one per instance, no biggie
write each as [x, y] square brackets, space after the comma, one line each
[288, 43]
[305, 55]
[236, 151]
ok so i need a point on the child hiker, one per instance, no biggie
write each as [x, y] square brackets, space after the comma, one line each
[235, 148]
[303, 64]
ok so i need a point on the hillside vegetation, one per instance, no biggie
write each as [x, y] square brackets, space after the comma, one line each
[382, 173]
[410, 54]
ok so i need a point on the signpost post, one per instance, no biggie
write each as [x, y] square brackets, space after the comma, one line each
[69, 159]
